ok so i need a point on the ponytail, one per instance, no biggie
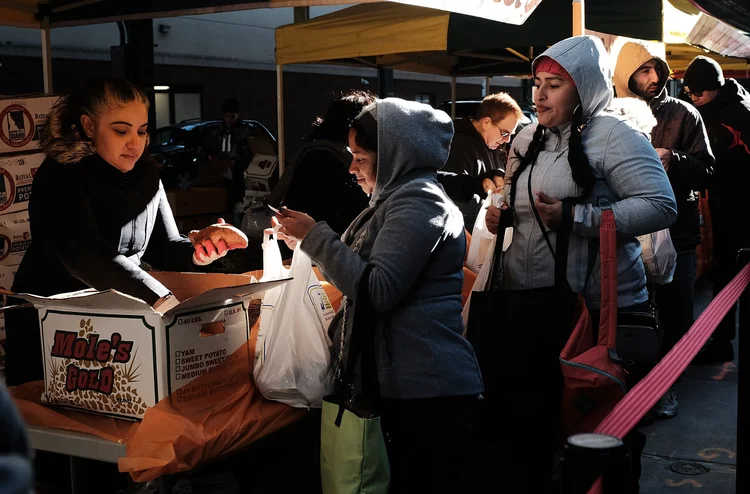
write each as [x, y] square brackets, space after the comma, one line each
[532, 153]
[583, 174]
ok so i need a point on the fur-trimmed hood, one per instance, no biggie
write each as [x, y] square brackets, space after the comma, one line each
[62, 139]
[635, 111]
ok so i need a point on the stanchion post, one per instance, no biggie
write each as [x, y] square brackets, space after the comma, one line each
[743, 384]
[590, 456]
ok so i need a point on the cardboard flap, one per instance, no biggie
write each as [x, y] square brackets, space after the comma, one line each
[227, 295]
[188, 285]
[110, 300]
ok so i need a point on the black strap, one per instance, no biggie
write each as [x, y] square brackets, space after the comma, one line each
[361, 343]
[560, 254]
[592, 256]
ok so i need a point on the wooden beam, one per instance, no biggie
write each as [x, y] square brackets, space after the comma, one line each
[579, 18]
[74, 5]
[520, 55]
[46, 56]
[280, 115]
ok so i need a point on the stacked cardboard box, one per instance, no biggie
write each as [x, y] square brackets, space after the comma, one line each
[198, 207]
[21, 120]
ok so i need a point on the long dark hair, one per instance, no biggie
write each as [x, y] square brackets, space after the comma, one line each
[339, 116]
[580, 168]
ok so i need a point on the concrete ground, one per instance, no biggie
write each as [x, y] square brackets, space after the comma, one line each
[696, 451]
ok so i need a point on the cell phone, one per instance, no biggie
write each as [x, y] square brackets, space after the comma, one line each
[277, 211]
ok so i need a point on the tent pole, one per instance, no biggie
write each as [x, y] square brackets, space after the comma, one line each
[46, 55]
[579, 17]
[453, 97]
[280, 114]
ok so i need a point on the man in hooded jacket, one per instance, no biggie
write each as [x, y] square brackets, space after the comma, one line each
[681, 141]
[725, 107]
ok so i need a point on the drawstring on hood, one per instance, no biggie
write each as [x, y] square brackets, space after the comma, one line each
[632, 56]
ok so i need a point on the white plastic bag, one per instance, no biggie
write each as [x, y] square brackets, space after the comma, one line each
[293, 351]
[482, 241]
[659, 256]
[480, 284]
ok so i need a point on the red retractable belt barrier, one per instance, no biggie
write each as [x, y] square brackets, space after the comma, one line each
[631, 409]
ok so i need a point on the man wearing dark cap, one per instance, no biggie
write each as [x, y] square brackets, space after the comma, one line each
[725, 107]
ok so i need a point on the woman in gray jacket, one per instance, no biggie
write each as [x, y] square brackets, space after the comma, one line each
[413, 237]
[562, 172]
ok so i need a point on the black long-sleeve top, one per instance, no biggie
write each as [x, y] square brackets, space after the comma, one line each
[92, 225]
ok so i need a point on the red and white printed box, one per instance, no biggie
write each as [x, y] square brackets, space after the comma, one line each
[16, 174]
[21, 121]
[15, 238]
[111, 353]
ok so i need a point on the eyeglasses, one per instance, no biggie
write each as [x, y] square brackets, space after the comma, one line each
[503, 133]
[697, 94]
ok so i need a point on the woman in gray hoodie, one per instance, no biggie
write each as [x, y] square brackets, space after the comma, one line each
[562, 172]
[412, 236]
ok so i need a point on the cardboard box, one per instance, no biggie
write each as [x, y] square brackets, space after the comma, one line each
[192, 202]
[111, 353]
[15, 237]
[186, 224]
[261, 175]
[21, 120]
[7, 275]
[16, 174]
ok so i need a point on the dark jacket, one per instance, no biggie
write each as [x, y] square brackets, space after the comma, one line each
[16, 474]
[318, 183]
[470, 161]
[91, 225]
[679, 128]
[728, 123]
[230, 144]
[413, 237]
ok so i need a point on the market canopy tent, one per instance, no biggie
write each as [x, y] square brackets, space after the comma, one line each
[417, 39]
[30, 13]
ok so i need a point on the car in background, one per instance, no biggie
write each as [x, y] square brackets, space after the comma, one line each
[176, 147]
[468, 108]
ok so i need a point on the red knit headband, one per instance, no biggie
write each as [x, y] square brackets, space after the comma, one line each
[549, 65]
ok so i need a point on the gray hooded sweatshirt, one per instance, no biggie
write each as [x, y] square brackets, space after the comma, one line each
[628, 175]
[413, 236]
